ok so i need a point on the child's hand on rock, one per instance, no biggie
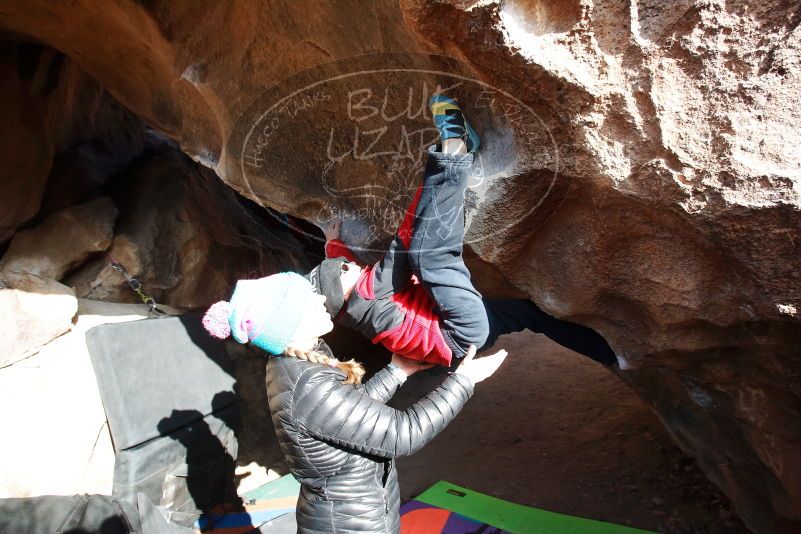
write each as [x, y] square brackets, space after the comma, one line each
[484, 367]
[332, 229]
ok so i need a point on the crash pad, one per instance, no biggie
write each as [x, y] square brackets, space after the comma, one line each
[451, 509]
[268, 508]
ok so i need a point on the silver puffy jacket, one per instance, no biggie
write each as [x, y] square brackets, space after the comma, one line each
[340, 441]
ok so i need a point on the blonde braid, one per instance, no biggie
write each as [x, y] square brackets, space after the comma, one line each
[352, 368]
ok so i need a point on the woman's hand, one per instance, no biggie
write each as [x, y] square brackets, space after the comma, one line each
[408, 365]
[332, 229]
[478, 370]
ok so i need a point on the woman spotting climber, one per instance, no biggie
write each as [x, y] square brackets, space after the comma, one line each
[338, 436]
[418, 301]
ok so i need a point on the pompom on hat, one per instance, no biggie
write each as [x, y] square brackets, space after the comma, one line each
[215, 320]
[265, 312]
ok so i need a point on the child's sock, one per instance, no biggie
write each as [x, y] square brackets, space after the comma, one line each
[451, 123]
[454, 146]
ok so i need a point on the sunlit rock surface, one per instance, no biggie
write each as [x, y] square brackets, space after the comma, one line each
[63, 444]
[641, 169]
[33, 311]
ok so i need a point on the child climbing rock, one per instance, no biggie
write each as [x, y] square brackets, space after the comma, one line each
[418, 300]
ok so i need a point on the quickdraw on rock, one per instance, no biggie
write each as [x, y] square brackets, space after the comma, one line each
[147, 300]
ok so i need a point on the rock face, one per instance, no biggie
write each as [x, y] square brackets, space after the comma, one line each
[63, 240]
[641, 171]
[34, 311]
[183, 235]
[52, 397]
[52, 106]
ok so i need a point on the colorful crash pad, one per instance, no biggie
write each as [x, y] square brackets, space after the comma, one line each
[445, 508]
[269, 508]
[421, 518]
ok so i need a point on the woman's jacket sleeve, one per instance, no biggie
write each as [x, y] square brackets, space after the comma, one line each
[382, 385]
[342, 415]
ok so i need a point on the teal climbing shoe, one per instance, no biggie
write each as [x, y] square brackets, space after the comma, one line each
[451, 123]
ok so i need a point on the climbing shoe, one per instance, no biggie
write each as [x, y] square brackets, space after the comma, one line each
[451, 123]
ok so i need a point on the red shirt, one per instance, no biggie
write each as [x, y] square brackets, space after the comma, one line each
[404, 320]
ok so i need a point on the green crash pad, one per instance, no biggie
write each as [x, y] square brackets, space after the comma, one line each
[511, 517]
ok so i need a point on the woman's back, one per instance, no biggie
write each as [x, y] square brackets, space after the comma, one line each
[340, 441]
[341, 490]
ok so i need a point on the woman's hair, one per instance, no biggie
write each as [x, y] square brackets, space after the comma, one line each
[352, 368]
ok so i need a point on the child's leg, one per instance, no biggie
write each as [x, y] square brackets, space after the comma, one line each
[507, 315]
[392, 273]
[435, 250]
[435, 256]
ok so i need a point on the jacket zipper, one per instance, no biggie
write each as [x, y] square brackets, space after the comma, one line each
[384, 480]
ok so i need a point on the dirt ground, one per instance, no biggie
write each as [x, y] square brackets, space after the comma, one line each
[551, 429]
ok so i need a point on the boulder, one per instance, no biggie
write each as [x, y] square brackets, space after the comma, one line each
[640, 171]
[63, 240]
[60, 444]
[34, 311]
[184, 236]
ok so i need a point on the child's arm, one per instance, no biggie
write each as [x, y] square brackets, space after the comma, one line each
[334, 246]
[391, 274]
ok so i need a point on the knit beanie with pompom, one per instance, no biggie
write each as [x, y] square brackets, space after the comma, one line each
[265, 312]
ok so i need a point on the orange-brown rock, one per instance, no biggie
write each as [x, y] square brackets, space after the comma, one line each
[183, 235]
[62, 241]
[48, 105]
